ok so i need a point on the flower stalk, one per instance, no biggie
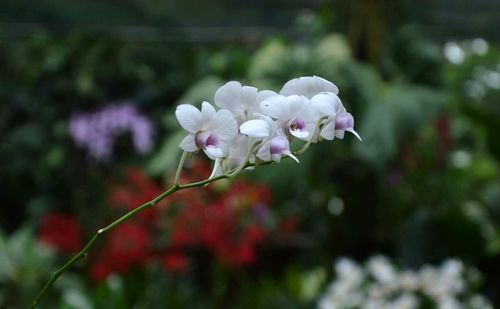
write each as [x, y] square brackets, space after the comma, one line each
[251, 124]
[174, 188]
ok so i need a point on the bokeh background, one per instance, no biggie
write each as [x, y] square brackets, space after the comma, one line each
[87, 132]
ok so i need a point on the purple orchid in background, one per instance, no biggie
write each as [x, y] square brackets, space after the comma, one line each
[97, 131]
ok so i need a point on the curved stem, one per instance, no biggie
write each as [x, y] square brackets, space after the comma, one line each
[179, 167]
[176, 187]
[244, 164]
[316, 131]
[83, 253]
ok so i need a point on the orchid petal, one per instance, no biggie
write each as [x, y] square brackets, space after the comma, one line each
[264, 152]
[326, 103]
[224, 125]
[328, 131]
[276, 107]
[189, 117]
[257, 128]
[236, 98]
[188, 143]
[207, 112]
[339, 134]
[213, 152]
[248, 97]
[300, 134]
[264, 94]
[308, 86]
[298, 103]
[224, 96]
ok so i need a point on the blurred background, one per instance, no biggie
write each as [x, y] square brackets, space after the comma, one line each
[408, 218]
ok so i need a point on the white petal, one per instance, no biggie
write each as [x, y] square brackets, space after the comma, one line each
[238, 151]
[325, 85]
[326, 103]
[328, 131]
[276, 107]
[355, 134]
[225, 95]
[257, 128]
[224, 125]
[189, 117]
[236, 98]
[264, 152]
[248, 97]
[188, 143]
[307, 112]
[264, 94]
[300, 134]
[298, 104]
[308, 86]
[339, 134]
[207, 112]
[214, 152]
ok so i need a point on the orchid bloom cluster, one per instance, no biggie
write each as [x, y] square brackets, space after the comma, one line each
[258, 125]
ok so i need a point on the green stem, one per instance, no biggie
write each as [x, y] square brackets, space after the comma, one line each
[176, 187]
[244, 164]
[83, 253]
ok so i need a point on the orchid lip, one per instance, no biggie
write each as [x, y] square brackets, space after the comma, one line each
[297, 124]
[279, 145]
[344, 121]
[204, 139]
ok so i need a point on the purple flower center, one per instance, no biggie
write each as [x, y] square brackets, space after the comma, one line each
[344, 121]
[297, 124]
[279, 145]
[204, 139]
[211, 140]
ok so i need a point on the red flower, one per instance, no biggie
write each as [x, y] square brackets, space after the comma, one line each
[175, 262]
[127, 245]
[138, 190]
[100, 270]
[61, 232]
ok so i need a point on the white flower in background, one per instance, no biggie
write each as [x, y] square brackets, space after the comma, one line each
[338, 119]
[242, 101]
[379, 284]
[208, 130]
[381, 269]
[293, 113]
[273, 143]
[308, 86]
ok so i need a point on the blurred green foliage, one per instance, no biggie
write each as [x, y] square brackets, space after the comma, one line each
[423, 185]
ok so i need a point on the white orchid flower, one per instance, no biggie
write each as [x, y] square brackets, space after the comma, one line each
[208, 130]
[307, 108]
[338, 121]
[242, 101]
[239, 151]
[294, 113]
[273, 144]
[308, 86]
